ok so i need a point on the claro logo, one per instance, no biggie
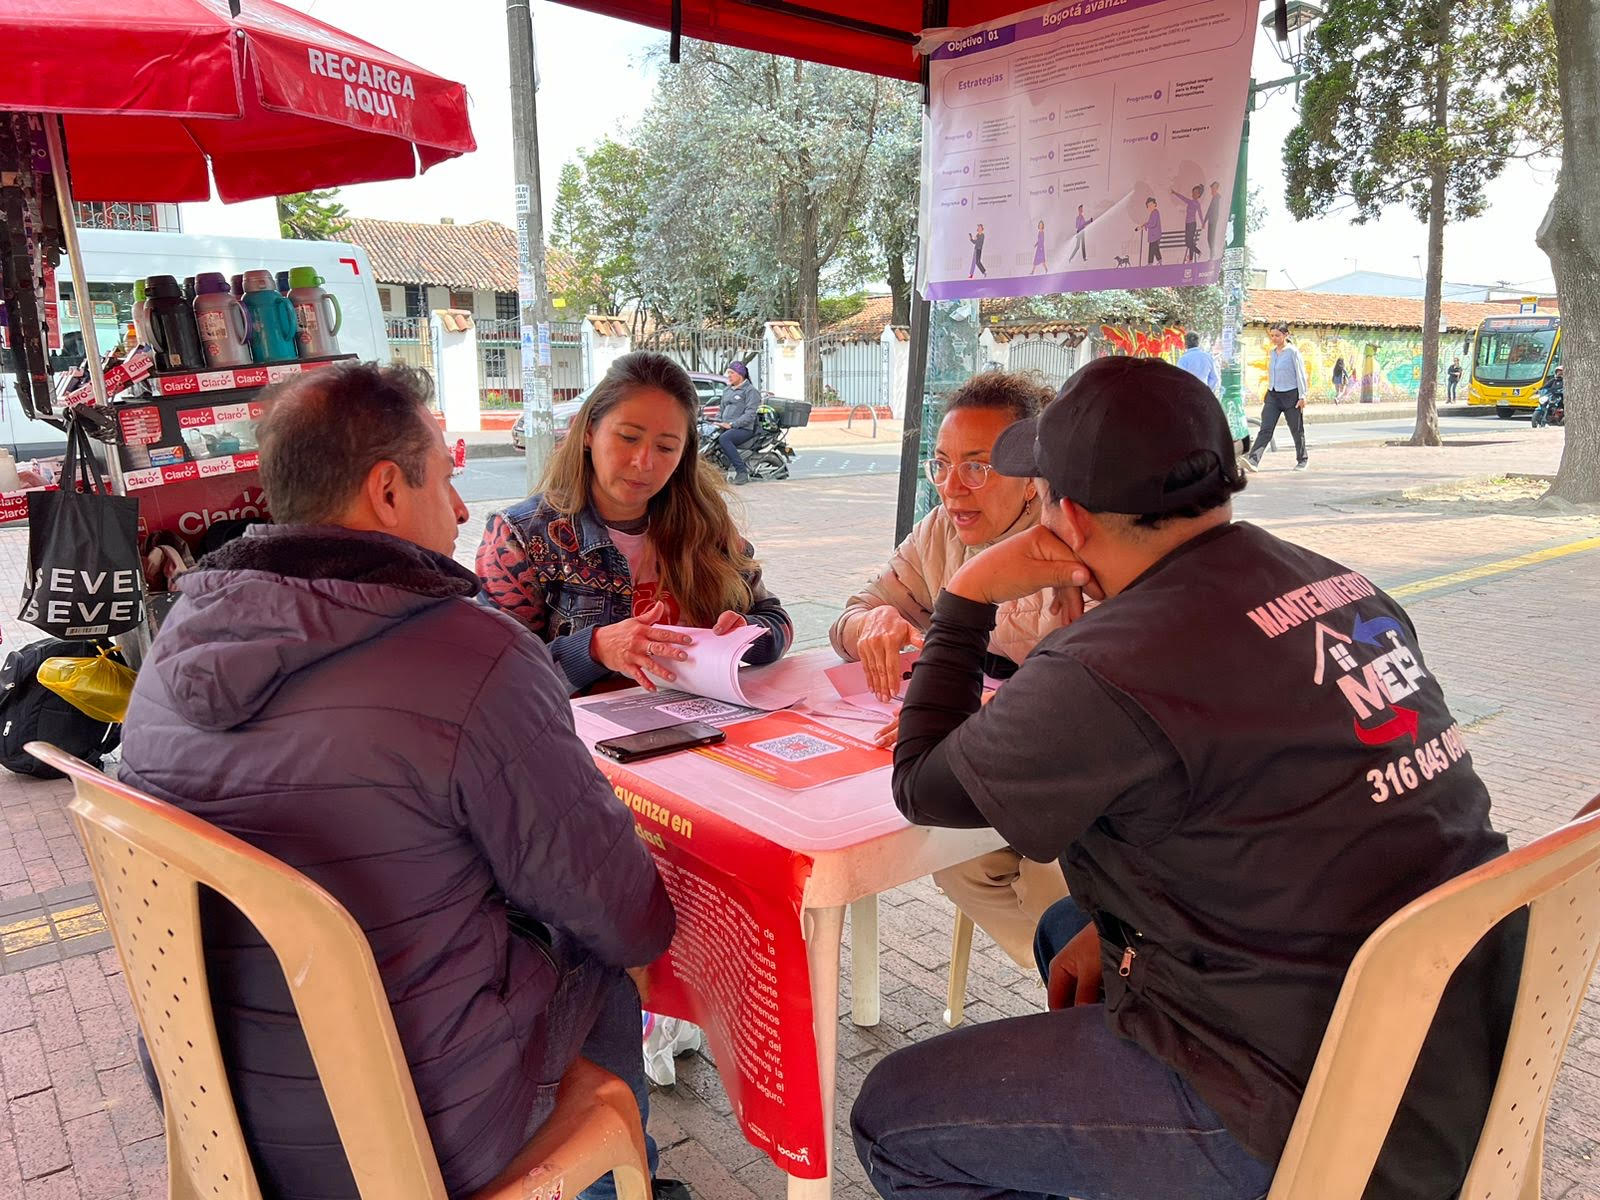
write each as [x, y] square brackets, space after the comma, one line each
[252, 503]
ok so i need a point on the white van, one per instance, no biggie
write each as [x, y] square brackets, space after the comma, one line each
[114, 259]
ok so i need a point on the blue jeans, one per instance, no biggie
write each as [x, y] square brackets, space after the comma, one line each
[594, 1014]
[730, 440]
[1045, 1106]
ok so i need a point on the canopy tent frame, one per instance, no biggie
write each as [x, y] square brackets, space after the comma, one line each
[798, 29]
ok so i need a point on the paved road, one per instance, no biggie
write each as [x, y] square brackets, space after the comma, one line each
[506, 478]
[1474, 428]
[503, 478]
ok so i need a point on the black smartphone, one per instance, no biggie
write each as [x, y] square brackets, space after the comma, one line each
[652, 742]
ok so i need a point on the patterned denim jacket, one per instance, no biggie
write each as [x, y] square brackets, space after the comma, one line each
[561, 576]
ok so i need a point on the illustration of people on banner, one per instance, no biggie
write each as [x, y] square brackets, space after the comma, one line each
[1102, 140]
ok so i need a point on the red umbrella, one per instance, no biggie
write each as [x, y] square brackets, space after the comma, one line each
[274, 100]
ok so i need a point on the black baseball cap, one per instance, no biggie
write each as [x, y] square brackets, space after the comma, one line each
[1115, 432]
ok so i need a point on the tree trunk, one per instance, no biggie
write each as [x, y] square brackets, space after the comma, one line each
[810, 284]
[1427, 430]
[1573, 243]
[899, 290]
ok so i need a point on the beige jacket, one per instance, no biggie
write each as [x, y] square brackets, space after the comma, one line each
[922, 565]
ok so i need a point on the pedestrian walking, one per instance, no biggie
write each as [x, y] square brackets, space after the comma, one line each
[1452, 381]
[1341, 379]
[1286, 395]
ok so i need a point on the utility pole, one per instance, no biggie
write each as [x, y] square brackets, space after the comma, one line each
[533, 289]
[1235, 261]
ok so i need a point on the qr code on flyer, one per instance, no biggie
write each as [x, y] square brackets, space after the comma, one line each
[697, 709]
[797, 747]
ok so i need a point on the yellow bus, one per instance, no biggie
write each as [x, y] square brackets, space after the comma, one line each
[1512, 357]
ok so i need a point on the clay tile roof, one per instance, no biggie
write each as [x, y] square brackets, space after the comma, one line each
[869, 322]
[478, 256]
[1263, 306]
[786, 331]
[609, 326]
[1004, 333]
[455, 320]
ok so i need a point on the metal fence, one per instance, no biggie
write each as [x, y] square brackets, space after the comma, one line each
[411, 342]
[853, 369]
[1050, 361]
[500, 362]
[709, 350]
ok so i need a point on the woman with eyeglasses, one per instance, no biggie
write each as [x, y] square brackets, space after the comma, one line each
[1002, 892]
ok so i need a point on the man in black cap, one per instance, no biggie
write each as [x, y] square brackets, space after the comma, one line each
[1229, 844]
[736, 418]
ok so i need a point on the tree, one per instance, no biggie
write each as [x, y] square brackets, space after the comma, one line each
[767, 178]
[1420, 104]
[1568, 236]
[312, 216]
[602, 205]
[892, 209]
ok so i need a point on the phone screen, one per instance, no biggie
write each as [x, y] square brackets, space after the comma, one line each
[660, 741]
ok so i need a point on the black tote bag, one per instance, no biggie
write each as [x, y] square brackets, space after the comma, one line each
[84, 577]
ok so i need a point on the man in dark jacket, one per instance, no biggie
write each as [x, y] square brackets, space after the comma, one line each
[328, 690]
[736, 417]
[1229, 844]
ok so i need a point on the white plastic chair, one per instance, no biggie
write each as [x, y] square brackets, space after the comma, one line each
[1391, 994]
[149, 860]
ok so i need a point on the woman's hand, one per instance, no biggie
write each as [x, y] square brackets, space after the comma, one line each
[638, 644]
[884, 634]
[728, 622]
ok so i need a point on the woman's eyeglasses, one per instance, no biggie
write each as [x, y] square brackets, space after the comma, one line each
[969, 474]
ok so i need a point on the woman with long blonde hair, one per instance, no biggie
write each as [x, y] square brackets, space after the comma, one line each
[629, 531]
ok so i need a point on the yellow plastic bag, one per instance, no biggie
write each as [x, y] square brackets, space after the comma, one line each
[98, 687]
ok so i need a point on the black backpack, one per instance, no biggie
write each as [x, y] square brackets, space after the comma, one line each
[31, 712]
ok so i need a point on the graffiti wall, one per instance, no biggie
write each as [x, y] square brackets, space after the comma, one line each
[1380, 364]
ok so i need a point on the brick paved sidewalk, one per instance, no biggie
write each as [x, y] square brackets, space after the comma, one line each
[1516, 650]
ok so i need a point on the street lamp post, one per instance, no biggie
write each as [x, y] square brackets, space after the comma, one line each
[1302, 15]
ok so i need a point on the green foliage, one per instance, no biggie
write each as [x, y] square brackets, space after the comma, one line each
[602, 203]
[1368, 131]
[833, 309]
[312, 216]
[1191, 307]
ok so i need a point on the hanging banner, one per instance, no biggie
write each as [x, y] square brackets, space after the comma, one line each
[1084, 146]
[737, 965]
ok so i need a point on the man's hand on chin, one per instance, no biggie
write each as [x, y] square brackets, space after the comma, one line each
[1023, 565]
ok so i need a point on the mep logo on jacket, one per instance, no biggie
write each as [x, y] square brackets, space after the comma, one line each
[1379, 675]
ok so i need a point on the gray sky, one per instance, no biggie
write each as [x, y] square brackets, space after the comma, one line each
[593, 83]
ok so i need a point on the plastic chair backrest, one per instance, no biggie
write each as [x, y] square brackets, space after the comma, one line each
[1389, 999]
[148, 860]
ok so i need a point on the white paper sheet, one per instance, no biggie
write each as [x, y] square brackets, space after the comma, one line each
[850, 681]
[713, 669]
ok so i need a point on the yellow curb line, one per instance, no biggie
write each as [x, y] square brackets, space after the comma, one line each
[1505, 565]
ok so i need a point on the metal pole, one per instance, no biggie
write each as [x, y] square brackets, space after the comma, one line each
[532, 285]
[1233, 283]
[69, 233]
[905, 512]
[935, 13]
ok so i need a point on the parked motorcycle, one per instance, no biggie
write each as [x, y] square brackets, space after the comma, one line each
[769, 452]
